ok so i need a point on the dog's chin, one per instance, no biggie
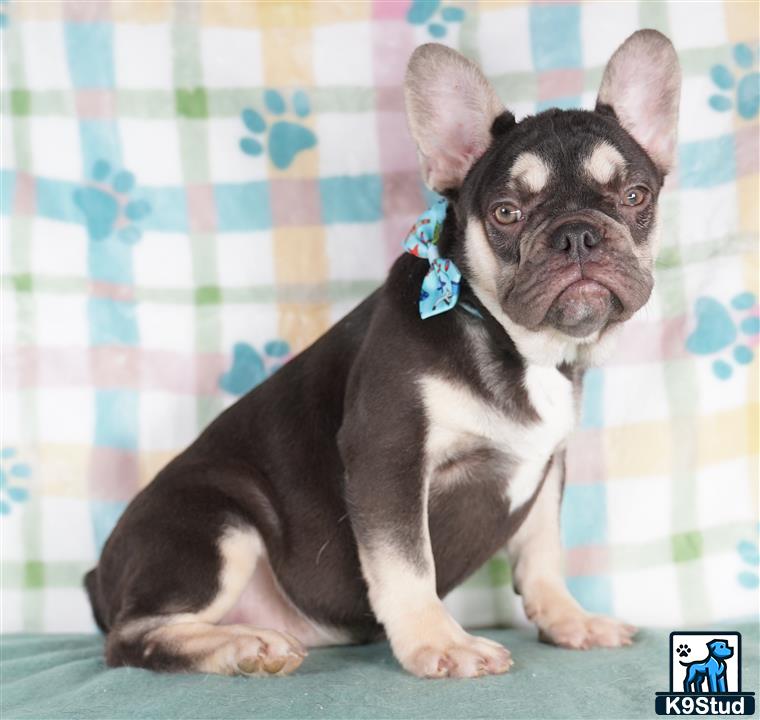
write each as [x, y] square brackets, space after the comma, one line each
[583, 309]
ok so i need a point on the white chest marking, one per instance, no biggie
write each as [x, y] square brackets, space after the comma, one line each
[458, 419]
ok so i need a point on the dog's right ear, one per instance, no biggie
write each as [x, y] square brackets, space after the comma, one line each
[642, 86]
[450, 107]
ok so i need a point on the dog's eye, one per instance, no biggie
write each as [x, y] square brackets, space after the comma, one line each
[635, 196]
[506, 214]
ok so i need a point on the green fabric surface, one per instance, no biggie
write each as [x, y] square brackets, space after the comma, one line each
[64, 676]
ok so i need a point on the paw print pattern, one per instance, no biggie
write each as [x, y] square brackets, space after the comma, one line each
[250, 368]
[750, 556]
[717, 330]
[437, 18]
[285, 138]
[683, 650]
[742, 93]
[108, 206]
[11, 471]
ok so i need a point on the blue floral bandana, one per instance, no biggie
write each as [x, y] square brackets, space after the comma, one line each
[440, 287]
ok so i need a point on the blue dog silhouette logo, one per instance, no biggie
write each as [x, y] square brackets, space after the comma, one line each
[711, 671]
[705, 675]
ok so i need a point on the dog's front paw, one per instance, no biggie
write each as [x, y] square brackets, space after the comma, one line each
[581, 631]
[467, 656]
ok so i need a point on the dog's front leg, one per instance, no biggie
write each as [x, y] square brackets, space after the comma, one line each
[388, 511]
[535, 551]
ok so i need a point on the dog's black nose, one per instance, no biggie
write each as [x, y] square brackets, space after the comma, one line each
[575, 239]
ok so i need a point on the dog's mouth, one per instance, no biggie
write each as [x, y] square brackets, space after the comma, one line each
[580, 299]
[583, 308]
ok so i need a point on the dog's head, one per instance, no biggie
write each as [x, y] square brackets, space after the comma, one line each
[720, 649]
[557, 214]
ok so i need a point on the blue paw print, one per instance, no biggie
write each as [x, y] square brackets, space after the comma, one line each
[286, 139]
[11, 470]
[716, 331]
[749, 554]
[4, 20]
[249, 368]
[423, 11]
[747, 93]
[107, 205]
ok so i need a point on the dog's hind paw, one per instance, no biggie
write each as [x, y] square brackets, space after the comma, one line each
[246, 650]
[581, 631]
[268, 653]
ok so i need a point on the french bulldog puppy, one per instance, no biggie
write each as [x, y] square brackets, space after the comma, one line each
[341, 499]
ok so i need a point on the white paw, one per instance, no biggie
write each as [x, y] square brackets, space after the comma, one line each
[264, 652]
[581, 631]
[467, 656]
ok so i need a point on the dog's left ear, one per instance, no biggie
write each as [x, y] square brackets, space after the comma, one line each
[642, 85]
[451, 108]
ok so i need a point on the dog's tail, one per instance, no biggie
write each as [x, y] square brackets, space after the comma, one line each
[91, 585]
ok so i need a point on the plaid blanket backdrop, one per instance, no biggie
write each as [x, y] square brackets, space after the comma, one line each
[194, 191]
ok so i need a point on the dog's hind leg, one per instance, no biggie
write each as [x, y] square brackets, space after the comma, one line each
[165, 582]
[179, 644]
[192, 641]
[698, 680]
[689, 677]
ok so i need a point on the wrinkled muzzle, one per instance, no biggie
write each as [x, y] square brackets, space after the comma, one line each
[579, 274]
